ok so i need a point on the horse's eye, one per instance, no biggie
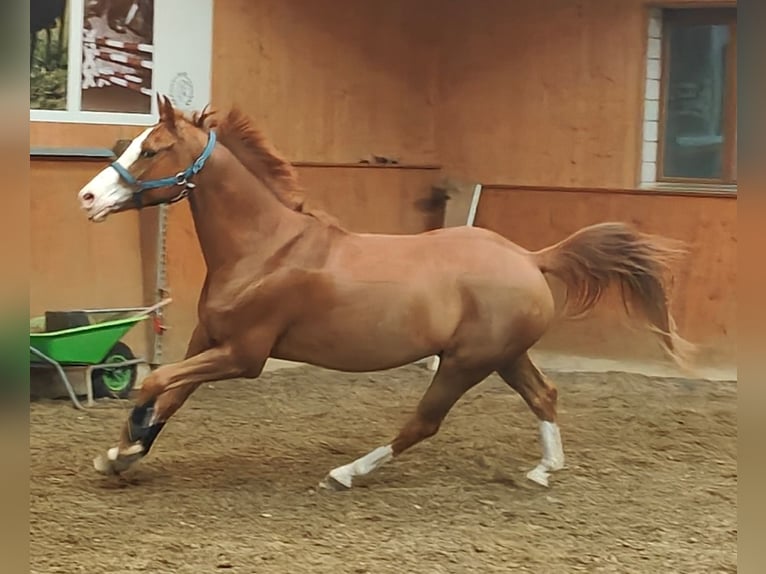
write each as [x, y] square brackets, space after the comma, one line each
[148, 153]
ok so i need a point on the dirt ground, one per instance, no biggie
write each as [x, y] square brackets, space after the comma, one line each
[650, 487]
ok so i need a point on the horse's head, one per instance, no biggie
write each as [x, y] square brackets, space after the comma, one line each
[155, 168]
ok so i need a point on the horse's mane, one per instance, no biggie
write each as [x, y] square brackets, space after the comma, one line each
[237, 133]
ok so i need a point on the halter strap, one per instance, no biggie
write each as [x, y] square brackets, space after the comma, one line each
[181, 179]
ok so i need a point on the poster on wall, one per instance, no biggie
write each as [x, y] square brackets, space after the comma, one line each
[117, 56]
[106, 59]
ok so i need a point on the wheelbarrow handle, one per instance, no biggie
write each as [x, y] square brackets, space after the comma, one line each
[153, 308]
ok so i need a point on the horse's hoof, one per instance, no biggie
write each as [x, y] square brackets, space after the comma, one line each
[539, 476]
[103, 465]
[116, 461]
[333, 485]
[555, 464]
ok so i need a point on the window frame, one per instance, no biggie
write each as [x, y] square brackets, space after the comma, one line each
[722, 15]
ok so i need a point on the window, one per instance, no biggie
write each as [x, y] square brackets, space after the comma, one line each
[102, 62]
[692, 63]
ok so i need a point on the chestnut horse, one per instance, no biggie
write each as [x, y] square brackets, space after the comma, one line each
[286, 282]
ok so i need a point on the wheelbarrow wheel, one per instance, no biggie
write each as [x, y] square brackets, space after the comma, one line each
[115, 382]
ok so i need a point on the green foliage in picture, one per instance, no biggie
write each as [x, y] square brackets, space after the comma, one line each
[48, 66]
[48, 90]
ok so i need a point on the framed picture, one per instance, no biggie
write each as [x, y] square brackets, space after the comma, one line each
[103, 61]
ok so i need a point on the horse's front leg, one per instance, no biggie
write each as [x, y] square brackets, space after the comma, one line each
[176, 382]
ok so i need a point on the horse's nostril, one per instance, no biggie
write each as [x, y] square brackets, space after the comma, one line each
[88, 197]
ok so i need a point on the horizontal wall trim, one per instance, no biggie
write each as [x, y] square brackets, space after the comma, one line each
[693, 192]
[424, 166]
[93, 154]
[71, 153]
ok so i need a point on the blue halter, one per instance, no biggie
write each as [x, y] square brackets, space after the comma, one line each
[181, 179]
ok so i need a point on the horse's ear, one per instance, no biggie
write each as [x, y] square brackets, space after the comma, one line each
[167, 113]
[201, 117]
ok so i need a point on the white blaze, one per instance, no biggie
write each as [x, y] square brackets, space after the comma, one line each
[107, 190]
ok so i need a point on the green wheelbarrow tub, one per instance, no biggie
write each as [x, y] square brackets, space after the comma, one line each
[81, 345]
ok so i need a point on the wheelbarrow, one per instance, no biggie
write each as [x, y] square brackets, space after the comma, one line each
[89, 340]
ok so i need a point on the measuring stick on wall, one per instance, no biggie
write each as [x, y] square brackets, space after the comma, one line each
[433, 362]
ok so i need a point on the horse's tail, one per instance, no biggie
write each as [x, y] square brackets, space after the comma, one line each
[595, 257]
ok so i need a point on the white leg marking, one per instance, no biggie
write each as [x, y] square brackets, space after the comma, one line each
[553, 453]
[345, 474]
[115, 461]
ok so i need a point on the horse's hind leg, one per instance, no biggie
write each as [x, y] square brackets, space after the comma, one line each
[449, 384]
[48, 49]
[32, 47]
[541, 395]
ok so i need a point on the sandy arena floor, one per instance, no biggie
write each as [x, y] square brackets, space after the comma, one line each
[651, 484]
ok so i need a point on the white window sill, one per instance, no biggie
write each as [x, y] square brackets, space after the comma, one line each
[704, 188]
